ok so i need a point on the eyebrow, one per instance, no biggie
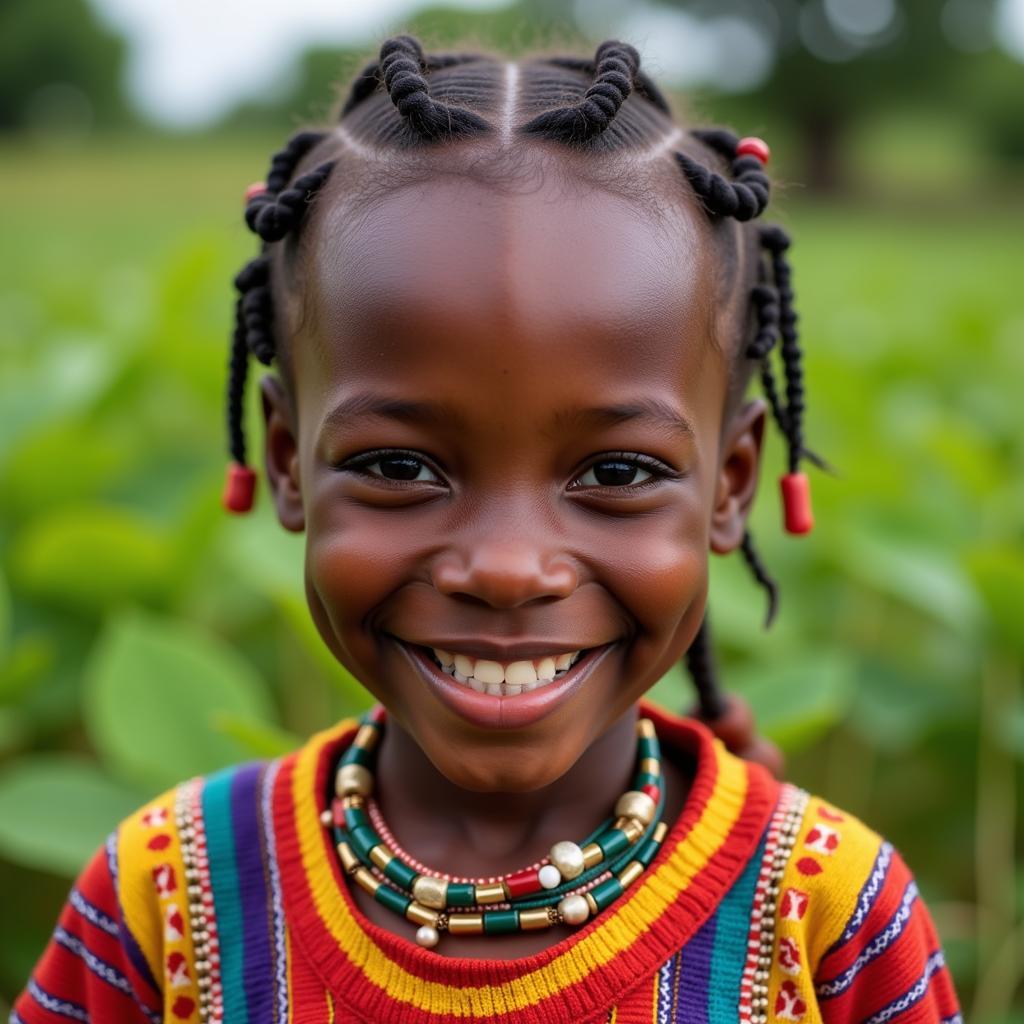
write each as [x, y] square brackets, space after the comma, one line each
[650, 410]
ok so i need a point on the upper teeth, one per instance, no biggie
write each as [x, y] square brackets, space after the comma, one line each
[500, 679]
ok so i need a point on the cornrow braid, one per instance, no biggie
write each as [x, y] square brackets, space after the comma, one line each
[757, 567]
[700, 663]
[402, 64]
[615, 72]
[743, 198]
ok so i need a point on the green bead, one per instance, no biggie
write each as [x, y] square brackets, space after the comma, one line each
[355, 817]
[646, 851]
[363, 840]
[607, 892]
[461, 894]
[357, 755]
[613, 842]
[400, 873]
[501, 922]
[648, 747]
[396, 901]
[642, 779]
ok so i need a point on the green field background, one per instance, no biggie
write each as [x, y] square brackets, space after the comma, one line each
[145, 636]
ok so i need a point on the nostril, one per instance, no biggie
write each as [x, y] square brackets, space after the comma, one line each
[505, 577]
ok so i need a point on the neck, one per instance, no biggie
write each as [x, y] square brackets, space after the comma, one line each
[462, 832]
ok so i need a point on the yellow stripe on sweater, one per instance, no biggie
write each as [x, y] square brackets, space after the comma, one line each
[649, 899]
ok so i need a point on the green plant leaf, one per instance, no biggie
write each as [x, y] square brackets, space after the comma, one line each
[796, 704]
[55, 810]
[998, 572]
[91, 557]
[153, 689]
[5, 617]
[258, 738]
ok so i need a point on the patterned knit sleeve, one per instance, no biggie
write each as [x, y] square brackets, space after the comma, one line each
[854, 942]
[92, 969]
[887, 963]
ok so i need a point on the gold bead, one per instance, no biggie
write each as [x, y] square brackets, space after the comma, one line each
[659, 832]
[421, 915]
[367, 737]
[630, 873]
[645, 728]
[592, 855]
[430, 891]
[492, 893]
[531, 920]
[650, 765]
[633, 830]
[365, 880]
[466, 924]
[353, 778]
[635, 804]
[349, 861]
[592, 903]
[381, 856]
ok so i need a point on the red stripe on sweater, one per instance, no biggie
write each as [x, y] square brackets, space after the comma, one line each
[888, 967]
[64, 975]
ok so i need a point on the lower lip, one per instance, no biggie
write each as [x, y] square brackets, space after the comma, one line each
[515, 712]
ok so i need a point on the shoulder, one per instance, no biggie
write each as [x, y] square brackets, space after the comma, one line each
[846, 927]
[199, 861]
[169, 862]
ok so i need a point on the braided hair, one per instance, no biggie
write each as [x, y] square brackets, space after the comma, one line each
[408, 100]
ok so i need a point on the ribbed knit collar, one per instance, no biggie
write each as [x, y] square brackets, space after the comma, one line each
[383, 977]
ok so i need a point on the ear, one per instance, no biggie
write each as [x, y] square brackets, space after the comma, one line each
[282, 454]
[737, 476]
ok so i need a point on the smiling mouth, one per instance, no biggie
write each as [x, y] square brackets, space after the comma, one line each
[502, 679]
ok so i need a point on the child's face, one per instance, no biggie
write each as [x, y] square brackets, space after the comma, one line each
[538, 377]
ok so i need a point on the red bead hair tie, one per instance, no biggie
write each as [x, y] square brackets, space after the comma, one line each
[257, 188]
[796, 503]
[239, 488]
[755, 147]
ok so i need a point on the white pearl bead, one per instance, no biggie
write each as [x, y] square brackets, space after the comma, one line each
[427, 936]
[574, 909]
[550, 877]
[568, 858]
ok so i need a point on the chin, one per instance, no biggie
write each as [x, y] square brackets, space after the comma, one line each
[511, 767]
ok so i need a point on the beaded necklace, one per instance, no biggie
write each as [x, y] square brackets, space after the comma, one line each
[575, 882]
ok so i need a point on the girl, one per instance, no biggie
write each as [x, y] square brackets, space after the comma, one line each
[514, 308]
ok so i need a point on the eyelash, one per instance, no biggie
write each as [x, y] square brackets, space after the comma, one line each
[655, 467]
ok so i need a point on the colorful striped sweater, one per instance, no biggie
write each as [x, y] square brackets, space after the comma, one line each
[764, 904]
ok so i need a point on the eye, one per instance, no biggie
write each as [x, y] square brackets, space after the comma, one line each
[399, 466]
[623, 470]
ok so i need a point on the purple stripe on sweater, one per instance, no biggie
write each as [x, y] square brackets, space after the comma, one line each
[694, 975]
[253, 895]
[131, 947]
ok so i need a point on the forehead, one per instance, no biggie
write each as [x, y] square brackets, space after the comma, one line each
[453, 277]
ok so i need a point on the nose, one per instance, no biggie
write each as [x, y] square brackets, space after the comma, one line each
[505, 573]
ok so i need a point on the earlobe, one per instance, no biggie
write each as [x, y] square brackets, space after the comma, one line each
[736, 485]
[281, 455]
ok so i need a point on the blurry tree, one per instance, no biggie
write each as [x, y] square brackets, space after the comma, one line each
[60, 69]
[837, 62]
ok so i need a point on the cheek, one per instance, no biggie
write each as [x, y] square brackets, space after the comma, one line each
[350, 568]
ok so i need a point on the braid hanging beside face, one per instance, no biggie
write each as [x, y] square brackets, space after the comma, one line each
[606, 118]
